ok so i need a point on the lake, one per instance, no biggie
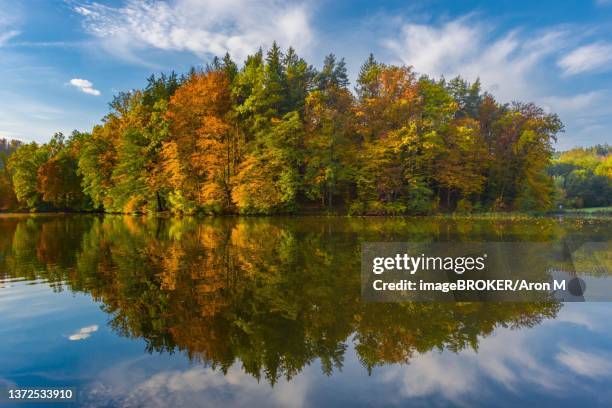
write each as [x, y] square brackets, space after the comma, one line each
[142, 311]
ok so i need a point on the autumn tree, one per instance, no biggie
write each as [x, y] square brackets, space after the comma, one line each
[201, 147]
[460, 168]
[268, 179]
[521, 150]
[386, 116]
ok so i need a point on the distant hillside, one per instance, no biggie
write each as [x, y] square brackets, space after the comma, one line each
[583, 177]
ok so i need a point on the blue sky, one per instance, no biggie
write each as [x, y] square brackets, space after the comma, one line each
[61, 61]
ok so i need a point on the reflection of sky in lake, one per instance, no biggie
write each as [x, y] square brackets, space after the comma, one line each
[562, 362]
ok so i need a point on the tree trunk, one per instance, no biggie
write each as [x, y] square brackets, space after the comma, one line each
[160, 206]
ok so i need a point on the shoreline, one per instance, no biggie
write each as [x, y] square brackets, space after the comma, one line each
[502, 216]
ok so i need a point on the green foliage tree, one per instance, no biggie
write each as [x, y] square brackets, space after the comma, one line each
[23, 166]
[330, 138]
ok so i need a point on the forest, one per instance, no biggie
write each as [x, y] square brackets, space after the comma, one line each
[277, 135]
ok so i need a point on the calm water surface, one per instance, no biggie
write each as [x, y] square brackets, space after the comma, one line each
[267, 312]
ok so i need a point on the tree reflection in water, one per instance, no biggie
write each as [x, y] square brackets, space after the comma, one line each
[274, 294]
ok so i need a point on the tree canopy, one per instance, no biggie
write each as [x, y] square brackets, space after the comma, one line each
[277, 135]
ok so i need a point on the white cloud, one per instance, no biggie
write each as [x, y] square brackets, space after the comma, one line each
[592, 57]
[127, 384]
[505, 65]
[10, 17]
[571, 103]
[83, 333]
[504, 358]
[437, 50]
[5, 37]
[512, 359]
[85, 86]
[245, 387]
[202, 27]
[584, 363]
